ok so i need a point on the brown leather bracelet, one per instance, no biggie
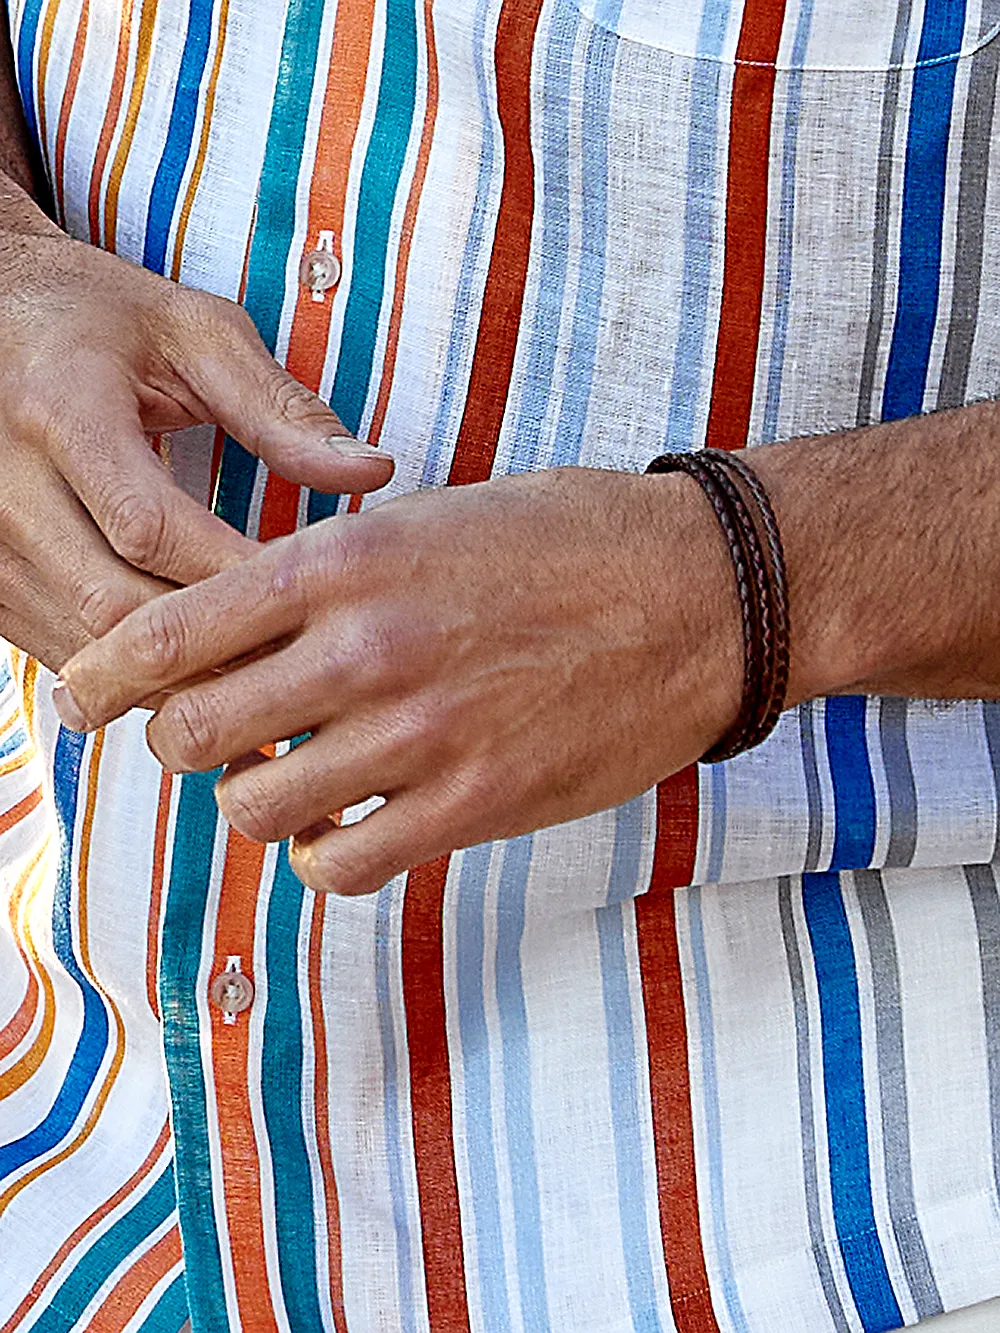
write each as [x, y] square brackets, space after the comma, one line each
[748, 524]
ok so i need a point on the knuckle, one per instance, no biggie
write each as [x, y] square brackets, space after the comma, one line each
[161, 647]
[136, 526]
[293, 402]
[249, 807]
[101, 606]
[187, 732]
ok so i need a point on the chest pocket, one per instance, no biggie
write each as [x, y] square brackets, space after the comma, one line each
[833, 35]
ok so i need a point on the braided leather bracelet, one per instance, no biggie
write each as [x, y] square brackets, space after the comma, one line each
[751, 531]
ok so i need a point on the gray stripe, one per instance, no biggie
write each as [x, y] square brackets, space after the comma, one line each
[986, 907]
[891, 1060]
[899, 776]
[807, 1121]
[814, 797]
[970, 226]
[991, 724]
[880, 246]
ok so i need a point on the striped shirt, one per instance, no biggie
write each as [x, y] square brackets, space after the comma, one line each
[725, 1059]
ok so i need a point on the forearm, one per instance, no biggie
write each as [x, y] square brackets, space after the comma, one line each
[892, 541]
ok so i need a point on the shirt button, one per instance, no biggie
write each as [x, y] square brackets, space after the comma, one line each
[319, 269]
[232, 991]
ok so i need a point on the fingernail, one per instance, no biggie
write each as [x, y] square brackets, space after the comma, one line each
[66, 707]
[348, 447]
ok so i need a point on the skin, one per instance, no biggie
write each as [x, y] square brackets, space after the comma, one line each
[497, 658]
[97, 355]
[490, 659]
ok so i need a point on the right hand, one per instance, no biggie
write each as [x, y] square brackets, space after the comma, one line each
[97, 355]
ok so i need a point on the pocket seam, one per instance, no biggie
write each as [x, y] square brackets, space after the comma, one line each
[901, 67]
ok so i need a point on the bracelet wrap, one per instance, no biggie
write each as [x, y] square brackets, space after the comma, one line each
[747, 520]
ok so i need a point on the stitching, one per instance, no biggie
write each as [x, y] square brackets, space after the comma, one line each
[901, 67]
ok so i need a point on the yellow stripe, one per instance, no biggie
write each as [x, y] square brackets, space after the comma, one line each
[143, 47]
[19, 1072]
[206, 126]
[44, 47]
[97, 1109]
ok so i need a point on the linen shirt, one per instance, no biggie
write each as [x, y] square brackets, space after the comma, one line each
[723, 1060]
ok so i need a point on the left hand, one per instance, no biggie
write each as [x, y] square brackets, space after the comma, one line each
[491, 659]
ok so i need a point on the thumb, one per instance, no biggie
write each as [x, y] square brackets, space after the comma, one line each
[273, 415]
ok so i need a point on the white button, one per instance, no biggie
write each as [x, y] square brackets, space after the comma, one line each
[232, 990]
[319, 269]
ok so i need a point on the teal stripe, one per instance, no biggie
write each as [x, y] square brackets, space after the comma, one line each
[104, 1256]
[183, 922]
[275, 225]
[377, 197]
[282, 1095]
[170, 1312]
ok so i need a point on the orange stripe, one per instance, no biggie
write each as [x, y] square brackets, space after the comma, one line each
[20, 811]
[343, 99]
[69, 93]
[117, 1059]
[28, 686]
[669, 1080]
[230, 1059]
[70, 1244]
[322, 1110]
[24, 1068]
[14, 1032]
[156, 891]
[500, 321]
[147, 19]
[430, 1097]
[132, 1288]
[110, 121]
[746, 224]
[206, 127]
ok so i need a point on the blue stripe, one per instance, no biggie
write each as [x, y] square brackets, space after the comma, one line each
[786, 223]
[13, 742]
[282, 1096]
[393, 1141]
[519, 1117]
[390, 135]
[598, 82]
[554, 247]
[170, 1312]
[180, 134]
[27, 33]
[275, 225]
[183, 923]
[93, 1040]
[713, 1115]
[75, 1293]
[700, 227]
[923, 209]
[465, 300]
[478, 1092]
[844, 1089]
[717, 839]
[853, 789]
[619, 1021]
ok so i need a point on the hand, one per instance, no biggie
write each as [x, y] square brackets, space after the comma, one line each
[490, 659]
[95, 356]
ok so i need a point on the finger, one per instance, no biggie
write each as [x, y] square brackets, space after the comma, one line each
[145, 516]
[180, 636]
[56, 553]
[274, 416]
[270, 799]
[362, 857]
